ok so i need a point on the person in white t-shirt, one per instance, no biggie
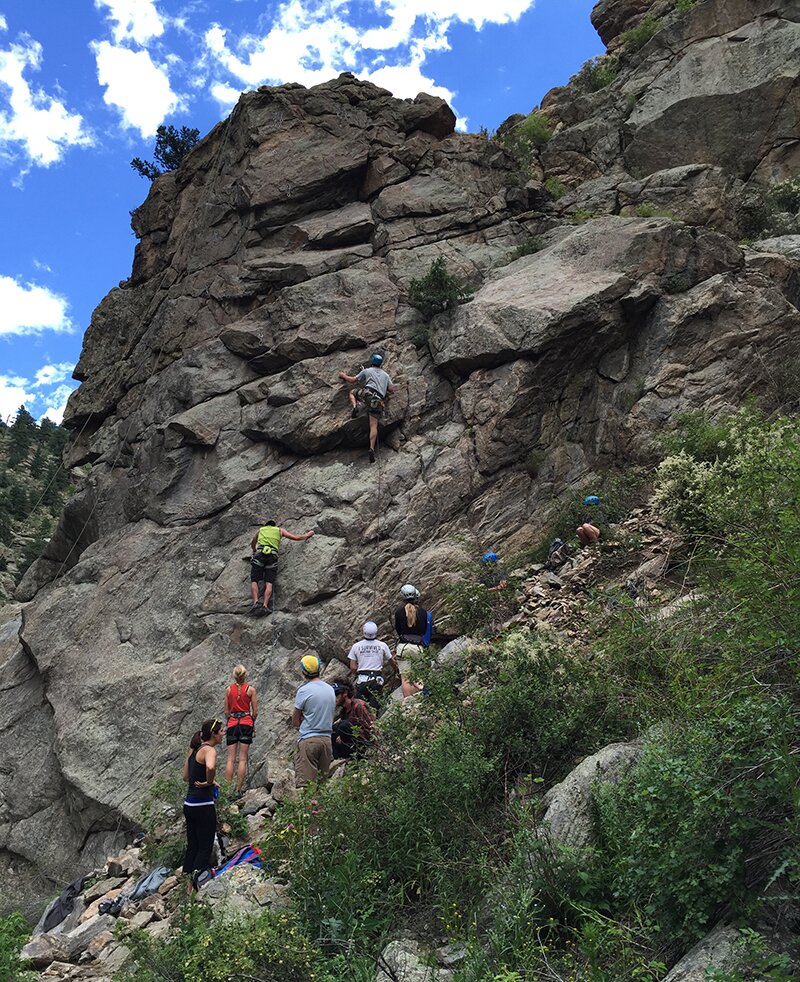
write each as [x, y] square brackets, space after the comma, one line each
[368, 659]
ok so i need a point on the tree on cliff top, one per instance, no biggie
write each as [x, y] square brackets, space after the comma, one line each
[172, 145]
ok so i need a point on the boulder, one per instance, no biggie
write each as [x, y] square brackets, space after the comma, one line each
[244, 890]
[44, 949]
[717, 952]
[569, 814]
[409, 961]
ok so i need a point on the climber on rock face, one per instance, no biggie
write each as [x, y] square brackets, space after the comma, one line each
[241, 710]
[313, 711]
[493, 576]
[264, 562]
[367, 659]
[371, 387]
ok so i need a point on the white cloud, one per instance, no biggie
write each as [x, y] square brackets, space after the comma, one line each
[51, 374]
[13, 394]
[31, 309]
[58, 403]
[3, 23]
[136, 86]
[310, 42]
[38, 123]
[134, 20]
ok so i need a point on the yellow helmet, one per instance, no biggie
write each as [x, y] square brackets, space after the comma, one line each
[310, 665]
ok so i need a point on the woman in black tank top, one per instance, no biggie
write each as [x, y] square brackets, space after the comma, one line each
[199, 771]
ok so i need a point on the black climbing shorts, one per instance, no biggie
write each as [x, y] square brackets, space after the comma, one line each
[239, 733]
[263, 574]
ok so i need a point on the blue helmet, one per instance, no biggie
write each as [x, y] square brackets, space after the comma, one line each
[489, 557]
[591, 499]
[376, 360]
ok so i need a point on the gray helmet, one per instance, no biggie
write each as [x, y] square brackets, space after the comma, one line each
[370, 630]
[409, 592]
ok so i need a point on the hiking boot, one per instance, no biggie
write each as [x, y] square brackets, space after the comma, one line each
[371, 455]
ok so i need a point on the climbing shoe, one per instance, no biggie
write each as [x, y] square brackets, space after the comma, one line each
[371, 455]
[254, 610]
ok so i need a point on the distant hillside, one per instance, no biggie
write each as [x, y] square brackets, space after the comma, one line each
[33, 488]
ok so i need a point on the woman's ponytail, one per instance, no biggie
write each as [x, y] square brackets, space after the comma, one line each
[411, 615]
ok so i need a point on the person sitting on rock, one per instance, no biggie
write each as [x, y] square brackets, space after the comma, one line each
[414, 625]
[367, 659]
[352, 731]
[588, 534]
[492, 575]
[264, 562]
[314, 706]
[371, 387]
[199, 771]
[241, 710]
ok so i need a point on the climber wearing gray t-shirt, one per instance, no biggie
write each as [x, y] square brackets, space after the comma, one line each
[370, 388]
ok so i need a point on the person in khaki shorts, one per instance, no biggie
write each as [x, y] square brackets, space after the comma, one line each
[314, 706]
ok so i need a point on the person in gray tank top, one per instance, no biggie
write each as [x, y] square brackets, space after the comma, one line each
[370, 388]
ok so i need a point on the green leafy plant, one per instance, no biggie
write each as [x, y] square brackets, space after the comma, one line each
[528, 248]
[555, 188]
[637, 37]
[202, 946]
[581, 215]
[437, 291]
[683, 6]
[172, 145]
[597, 73]
[14, 933]
[524, 140]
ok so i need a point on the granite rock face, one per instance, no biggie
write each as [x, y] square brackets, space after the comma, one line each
[282, 252]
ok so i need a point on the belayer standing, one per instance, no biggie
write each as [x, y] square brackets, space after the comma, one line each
[264, 562]
[314, 707]
[367, 659]
[371, 387]
[241, 710]
[414, 626]
[199, 811]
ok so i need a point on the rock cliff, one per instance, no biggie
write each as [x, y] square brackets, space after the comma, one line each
[281, 252]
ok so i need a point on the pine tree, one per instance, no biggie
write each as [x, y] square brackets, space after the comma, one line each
[22, 433]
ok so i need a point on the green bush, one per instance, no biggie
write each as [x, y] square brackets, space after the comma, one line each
[683, 6]
[14, 933]
[678, 830]
[555, 188]
[215, 949]
[597, 73]
[437, 291]
[637, 37]
[528, 248]
[411, 828]
[524, 140]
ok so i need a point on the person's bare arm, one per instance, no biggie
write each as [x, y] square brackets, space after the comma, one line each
[254, 542]
[211, 765]
[227, 710]
[350, 379]
[253, 703]
[296, 538]
[353, 665]
[297, 718]
[390, 389]
[186, 769]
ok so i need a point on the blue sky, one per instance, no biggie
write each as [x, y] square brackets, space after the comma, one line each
[85, 83]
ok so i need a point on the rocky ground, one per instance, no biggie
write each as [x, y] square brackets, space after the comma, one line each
[281, 252]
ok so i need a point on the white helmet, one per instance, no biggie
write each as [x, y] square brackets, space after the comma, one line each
[370, 630]
[409, 592]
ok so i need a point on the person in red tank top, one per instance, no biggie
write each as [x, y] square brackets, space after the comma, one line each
[241, 709]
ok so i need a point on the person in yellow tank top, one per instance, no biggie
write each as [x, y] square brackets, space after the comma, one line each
[264, 562]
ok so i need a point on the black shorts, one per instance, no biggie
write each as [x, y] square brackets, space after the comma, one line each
[239, 733]
[263, 574]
